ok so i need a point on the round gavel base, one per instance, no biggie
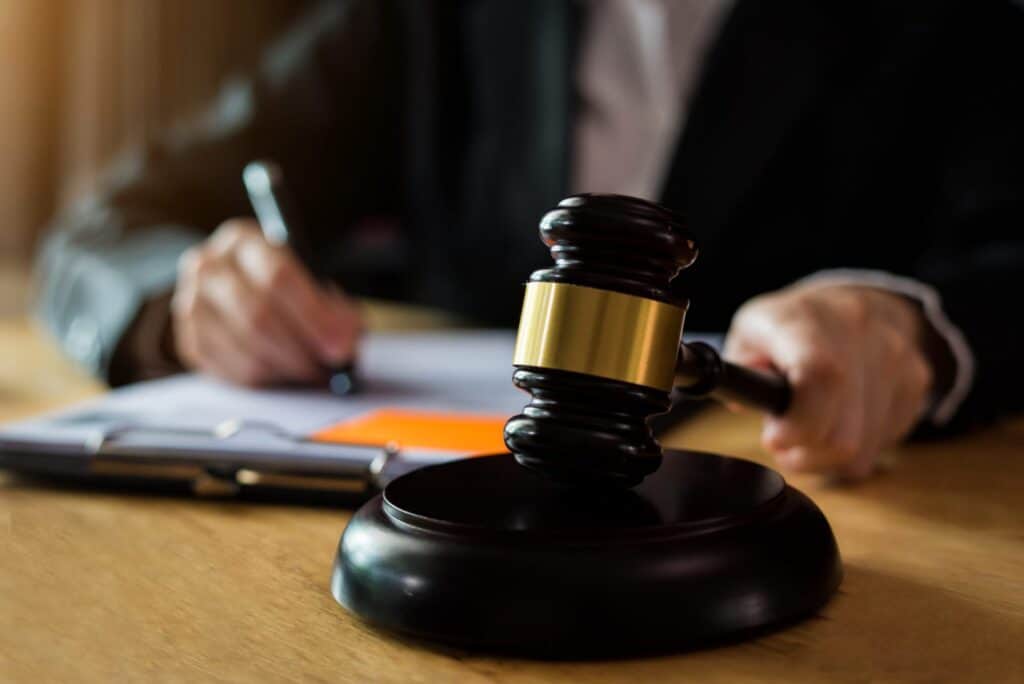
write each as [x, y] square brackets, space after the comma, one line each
[484, 554]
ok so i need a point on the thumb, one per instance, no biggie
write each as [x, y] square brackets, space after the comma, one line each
[748, 342]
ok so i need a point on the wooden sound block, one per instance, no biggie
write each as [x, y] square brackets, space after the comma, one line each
[485, 554]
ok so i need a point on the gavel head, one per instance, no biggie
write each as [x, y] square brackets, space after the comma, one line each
[598, 340]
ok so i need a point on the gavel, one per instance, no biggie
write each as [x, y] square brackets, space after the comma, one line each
[634, 554]
[599, 344]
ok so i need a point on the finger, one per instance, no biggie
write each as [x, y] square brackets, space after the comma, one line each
[894, 405]
[256, 315]
[853, 420]
[736, 407]
[767, 333]
[323, 325]
[352, 313]
[802, 459]
[219, 354]
[232, 233]
[184, 304]
[912, 396]
[851, 448]
[876, 405]
[255, 320]
[819, 385]
[793, 341]
[332, 324]
[207, 276]
[905, 409]
[746, 342]
[185, 343]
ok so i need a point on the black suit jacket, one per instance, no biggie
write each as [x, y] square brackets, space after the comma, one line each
[877, 134]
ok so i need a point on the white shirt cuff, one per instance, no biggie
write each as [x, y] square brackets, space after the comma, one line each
[946, 406]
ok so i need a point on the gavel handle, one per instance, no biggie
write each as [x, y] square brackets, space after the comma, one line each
[701, 372]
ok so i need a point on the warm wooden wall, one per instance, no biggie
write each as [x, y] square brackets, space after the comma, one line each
[88, 77]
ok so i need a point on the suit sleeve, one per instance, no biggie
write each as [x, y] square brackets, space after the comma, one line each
[976, 260]
[321, 104]
[978, 286]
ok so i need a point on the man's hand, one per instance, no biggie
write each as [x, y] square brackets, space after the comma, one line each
[247, 311]
[854, 358]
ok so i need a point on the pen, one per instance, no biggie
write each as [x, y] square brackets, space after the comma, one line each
[278, 217]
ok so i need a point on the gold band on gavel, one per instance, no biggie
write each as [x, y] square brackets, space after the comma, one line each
[599, 332]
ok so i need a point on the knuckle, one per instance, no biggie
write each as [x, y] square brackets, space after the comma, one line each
[896, 344]
[751, 306]
[855, 309]
[921, 374]
[825, 369]
[280, 275]
[184, 304]
[200, 355]
[844, 450]
[188, 262]
[260, 315]
[234, 229]
[776, 435]
[901, 348]
[251, 373]
[185, 348]
[771, 443]
[769, 303]
[230, 236]
[203, 265]
[793, 312]
[188, 356]
[796, 460]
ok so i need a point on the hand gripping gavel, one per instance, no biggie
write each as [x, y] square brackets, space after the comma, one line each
[599, 346]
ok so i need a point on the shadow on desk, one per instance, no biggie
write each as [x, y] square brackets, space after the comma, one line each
[974, 481]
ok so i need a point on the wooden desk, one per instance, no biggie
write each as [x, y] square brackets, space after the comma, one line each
[99, 587]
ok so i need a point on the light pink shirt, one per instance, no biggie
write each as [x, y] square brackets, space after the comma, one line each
[638, 63]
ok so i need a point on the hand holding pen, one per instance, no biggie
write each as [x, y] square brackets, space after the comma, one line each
[279, 219]
[248, 310]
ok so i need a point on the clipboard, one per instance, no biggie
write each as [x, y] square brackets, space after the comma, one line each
[426, 398]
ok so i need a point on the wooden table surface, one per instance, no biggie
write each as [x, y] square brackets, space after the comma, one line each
[105, 587]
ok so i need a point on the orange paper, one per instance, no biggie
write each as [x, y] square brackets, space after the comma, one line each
[466, 432]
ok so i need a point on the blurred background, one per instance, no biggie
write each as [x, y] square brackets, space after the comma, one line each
[83, 79]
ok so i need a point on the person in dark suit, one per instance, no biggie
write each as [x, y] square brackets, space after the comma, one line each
[852, 171]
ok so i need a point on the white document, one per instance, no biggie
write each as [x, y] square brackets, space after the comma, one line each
[464, 372]
[438, 371]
